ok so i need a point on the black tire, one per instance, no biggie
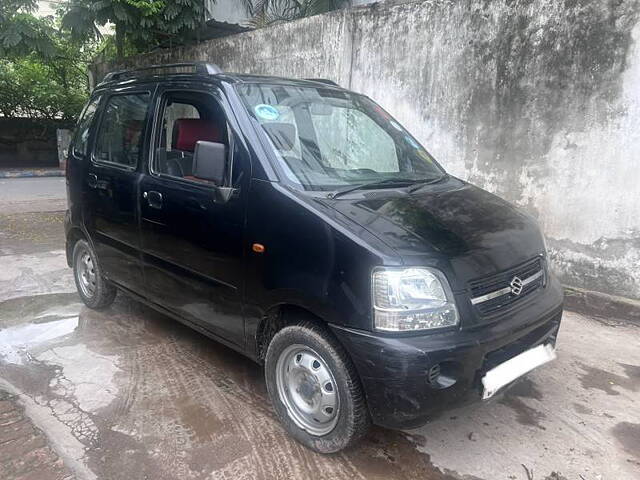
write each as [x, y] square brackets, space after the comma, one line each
[102, 293]
[353, 420]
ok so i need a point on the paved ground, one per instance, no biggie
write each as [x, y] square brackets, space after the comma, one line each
[24, 450]
[130, 394]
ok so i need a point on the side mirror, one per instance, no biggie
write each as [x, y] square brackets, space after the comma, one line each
[210, 161]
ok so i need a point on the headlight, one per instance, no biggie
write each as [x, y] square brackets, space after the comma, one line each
[412, 299]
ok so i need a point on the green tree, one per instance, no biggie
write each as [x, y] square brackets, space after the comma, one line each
[141, 24]
[35, 89]
[51, 85]
[268, 12]
[21, 33]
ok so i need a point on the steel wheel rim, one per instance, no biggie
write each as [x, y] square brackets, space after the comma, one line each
[308, 390]
[86, 274]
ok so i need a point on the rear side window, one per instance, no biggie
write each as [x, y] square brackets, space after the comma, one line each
[120, 138]
[81, 137]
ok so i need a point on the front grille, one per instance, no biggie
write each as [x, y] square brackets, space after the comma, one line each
[502, 280]
[545, 333]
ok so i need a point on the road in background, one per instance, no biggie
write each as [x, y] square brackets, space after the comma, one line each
[43, 194]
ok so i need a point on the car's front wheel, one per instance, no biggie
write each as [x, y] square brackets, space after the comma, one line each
[315, 389]
[94, 290]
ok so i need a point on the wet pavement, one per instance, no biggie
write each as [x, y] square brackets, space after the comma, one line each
[128, 393]
[24, 449]
[138, 395]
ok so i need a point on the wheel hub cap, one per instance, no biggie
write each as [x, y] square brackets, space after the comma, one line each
[86, 274]
[308, 390]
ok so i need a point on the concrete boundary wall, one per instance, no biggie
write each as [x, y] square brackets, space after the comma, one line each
[537, 101]
[27, 143]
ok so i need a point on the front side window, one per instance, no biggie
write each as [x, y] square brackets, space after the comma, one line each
[120, 138]
[188, 117]
[81, 136]
[325, 139]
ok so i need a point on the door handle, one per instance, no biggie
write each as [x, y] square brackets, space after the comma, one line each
[154, 199]
[92, 180]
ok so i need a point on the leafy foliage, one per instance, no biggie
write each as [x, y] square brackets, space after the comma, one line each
[268, 12]
[21, 33]
[50, 86]
[31, 88]
[43, 63]
[139, 24]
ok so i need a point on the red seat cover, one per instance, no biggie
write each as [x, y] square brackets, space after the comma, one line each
[192, 130]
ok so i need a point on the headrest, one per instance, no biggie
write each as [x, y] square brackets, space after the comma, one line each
[283, 135]
[188, 131]
[133, 129]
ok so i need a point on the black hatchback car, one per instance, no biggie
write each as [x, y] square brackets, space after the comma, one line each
[298, 223]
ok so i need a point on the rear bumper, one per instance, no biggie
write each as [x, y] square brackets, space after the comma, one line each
[394, 370]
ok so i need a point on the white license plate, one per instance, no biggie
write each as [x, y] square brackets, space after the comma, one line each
[507, 372]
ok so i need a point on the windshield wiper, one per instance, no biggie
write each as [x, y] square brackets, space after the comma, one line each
[421, 183]
[387, 181]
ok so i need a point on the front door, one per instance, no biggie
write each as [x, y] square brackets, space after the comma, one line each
[192, 244]
[110, 186]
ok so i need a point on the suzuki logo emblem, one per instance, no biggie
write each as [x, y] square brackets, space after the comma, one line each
[516, 286]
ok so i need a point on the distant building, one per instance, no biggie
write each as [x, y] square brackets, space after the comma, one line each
[234, 12]
[228, 11]
[47, 8]
[224, 16]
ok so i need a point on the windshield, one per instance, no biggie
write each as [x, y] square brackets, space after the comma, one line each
[325, 139]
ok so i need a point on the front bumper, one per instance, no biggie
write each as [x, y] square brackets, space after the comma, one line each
[396, 371]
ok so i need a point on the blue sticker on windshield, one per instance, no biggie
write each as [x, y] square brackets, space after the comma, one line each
[267, 112]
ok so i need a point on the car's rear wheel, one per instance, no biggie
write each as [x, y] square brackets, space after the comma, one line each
[94, 290]
[315, 389]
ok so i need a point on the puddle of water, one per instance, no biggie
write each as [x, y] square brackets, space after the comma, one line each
[610, 383]
[525, 414]
[58, 312]
[628, 434]
[15, 341]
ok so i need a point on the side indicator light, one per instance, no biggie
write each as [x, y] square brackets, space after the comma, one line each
[258, 248]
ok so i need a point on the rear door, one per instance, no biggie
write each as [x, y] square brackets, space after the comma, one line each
[192, 245]
[111, 181]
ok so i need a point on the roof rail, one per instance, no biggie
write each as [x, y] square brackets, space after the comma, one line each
[323, 80]
[201, 68]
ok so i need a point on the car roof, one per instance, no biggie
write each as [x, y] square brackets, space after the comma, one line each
[251, 78]
[204, 72]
